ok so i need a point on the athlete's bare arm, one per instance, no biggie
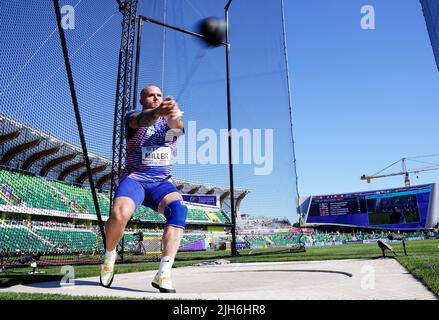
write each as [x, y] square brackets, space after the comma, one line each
[143, 118]
[147, 117]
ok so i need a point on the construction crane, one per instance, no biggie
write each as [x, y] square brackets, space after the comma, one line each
[404, 172]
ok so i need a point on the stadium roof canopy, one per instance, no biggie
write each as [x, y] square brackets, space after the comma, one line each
[28, 149]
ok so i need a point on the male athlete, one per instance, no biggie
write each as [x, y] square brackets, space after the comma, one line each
[151, 136]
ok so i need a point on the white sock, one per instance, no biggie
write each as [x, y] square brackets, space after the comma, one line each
[166, 264]
[110, 256]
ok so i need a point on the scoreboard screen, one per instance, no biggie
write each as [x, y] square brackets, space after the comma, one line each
[402, 208]
[337, 205]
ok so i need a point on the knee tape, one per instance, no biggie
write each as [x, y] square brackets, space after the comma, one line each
[176, 213]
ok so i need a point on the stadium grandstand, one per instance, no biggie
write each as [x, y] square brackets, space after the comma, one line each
[267, 232]
[47, 209]
[48, 214]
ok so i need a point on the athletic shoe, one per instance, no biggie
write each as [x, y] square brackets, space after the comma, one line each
[107, 274]
[163, 282]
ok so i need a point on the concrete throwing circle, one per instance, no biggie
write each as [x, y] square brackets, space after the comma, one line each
[379, 279]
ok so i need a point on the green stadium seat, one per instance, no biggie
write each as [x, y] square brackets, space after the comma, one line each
[80, 200]
[146, 214]
[34, 192]
[69, 239]
[197, 215]
[218, 216]
[18, 239]
[191, 238]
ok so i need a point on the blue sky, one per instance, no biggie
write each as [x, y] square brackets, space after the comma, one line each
[362, 99]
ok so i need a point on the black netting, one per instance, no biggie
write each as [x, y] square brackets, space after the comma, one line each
[46, 202]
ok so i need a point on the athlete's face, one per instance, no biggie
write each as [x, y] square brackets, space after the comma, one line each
[151, 97]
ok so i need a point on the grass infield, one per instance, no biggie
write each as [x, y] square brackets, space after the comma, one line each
[422, 262]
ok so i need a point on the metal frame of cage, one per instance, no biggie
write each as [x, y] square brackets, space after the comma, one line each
[123, 97]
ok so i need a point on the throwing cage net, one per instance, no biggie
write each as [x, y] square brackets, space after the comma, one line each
[47, 209]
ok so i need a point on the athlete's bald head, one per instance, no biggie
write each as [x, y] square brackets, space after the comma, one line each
[151, 97]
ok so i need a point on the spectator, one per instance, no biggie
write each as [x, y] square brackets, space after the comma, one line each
[396, 216]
